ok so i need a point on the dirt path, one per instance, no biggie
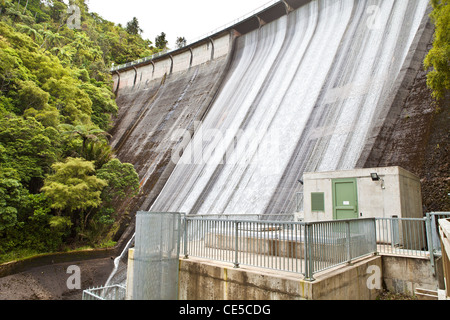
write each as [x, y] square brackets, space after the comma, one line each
[50, 282]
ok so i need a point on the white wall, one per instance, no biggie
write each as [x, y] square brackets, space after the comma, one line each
[202, 53]
[401, 195]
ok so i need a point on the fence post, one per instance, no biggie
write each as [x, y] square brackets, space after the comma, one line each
[349, 253]
[309, 272]
[394, 231]
[186, 254]
[375, 236]
[430, 242]
[236, 243]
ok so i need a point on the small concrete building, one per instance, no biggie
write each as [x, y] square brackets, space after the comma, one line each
[362, 193]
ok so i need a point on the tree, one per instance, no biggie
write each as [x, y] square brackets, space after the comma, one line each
[103, 105]
[29, 95]
[86, 133]
[439, 56]
[123, 181]
[29, 148]
[11, 194]
[73, 189]
[123, 185]
[161, 42]
[133, 27]
[26, 6]
[181, 42]
[52, 75]
[34, 34]
[58, 10]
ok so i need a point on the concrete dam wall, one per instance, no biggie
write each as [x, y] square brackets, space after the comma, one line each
[154, 104]
[229, 125]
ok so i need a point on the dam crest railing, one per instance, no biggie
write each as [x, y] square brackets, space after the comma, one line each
[198, 39]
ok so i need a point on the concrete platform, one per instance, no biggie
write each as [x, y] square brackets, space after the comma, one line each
[205, 280]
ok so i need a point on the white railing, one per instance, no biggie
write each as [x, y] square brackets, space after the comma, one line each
[112, 293]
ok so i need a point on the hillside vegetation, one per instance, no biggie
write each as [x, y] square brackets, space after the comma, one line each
[438, 59]
[59, 179]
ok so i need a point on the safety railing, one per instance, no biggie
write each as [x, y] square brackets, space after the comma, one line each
[305, 248]
[205, 36]
[109, 293]
[334, 243]
[297, 247]
[444, 231]
[136, 62]
[403, 236]
[433, 222]
[433, 236]
[248, 217]
[411, 237]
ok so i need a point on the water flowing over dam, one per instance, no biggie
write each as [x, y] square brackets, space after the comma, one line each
[301, 96]
[307, 92]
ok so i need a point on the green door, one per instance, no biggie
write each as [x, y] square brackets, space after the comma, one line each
[345, 199]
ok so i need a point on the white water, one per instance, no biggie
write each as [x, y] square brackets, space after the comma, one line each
[119, 274]
[304, 91]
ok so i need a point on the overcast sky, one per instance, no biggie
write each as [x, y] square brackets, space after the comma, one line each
[177, 18]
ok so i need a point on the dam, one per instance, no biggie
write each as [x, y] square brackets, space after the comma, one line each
[230, 124]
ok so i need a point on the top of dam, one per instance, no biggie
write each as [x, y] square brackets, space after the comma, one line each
[267, 13]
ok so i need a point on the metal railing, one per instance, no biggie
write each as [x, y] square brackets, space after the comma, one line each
[248, 217]
[433, 236]
[142, 60]
[205, 36]
[444, 231]
[433, 220]
[297, 247]
[402, 236]
[109, 293]
[305, 248]
[308, 248]
[334, 243]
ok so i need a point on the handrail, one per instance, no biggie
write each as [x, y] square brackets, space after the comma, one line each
[203, 37]
[299, 247]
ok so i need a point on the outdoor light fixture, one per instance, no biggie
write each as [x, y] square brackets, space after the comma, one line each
[376, 177]
[301, 182]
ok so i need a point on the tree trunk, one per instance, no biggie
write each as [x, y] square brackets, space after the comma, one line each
[26, 6]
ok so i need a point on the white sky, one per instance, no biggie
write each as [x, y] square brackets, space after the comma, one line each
[177, 18]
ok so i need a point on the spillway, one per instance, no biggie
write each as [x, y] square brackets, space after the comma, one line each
[302, 94]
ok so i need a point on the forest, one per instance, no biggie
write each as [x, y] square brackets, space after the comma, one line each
[60, 181]
[59, 178]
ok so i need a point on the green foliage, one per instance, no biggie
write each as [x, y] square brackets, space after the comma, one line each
[133, 27]
[28, 147]
[74, 104]
[92, 145]
[161, 41]
[123, 181]
[56, 106]
[29, 95]
[25, 225]
[123, 184]
[74, 186]
[11, 193]
[439, 56]
[103, 105]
